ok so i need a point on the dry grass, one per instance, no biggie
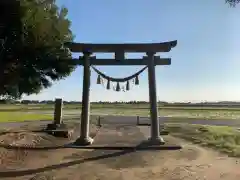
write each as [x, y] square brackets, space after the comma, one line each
[223, 139]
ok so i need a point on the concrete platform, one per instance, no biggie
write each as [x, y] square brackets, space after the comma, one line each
[59, 130]
[123, 137]
[67, 133]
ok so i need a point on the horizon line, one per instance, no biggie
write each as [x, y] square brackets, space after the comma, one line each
[186, 102]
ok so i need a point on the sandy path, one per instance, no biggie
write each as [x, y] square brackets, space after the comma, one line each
[190, 163]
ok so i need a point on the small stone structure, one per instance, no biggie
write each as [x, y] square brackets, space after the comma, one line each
[58, 128]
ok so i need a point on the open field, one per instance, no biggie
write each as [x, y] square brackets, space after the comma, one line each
[125, 110]
[196, 114]
[19, 117]
[204, 114]
[24, 107]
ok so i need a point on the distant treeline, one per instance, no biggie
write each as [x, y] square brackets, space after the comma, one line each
[161, 103]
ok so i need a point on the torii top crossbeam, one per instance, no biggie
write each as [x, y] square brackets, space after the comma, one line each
[125, 47]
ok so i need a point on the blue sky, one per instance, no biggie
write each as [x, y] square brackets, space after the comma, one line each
[205, 63]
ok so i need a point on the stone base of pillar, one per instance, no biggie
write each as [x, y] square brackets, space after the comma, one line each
[59, 130]
[156, 141]
[83, 141]
[164, 132]
[54, 126]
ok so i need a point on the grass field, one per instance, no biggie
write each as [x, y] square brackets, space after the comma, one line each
[133, 110]
[19, 117]
[204, 114]
[223, 139]
[22, 107]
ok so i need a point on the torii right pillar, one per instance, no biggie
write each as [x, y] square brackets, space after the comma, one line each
[155, 138]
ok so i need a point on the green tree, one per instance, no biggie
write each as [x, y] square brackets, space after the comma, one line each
[232, 3]
[33, 55]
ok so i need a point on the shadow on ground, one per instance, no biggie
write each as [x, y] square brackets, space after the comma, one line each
[80, 161]
[118, 141]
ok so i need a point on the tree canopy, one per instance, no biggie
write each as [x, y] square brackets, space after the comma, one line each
[232, 3]
[33, 33]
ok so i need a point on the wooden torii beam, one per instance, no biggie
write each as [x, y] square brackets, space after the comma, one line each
[124, 47]
[119, 50]
[124, 62]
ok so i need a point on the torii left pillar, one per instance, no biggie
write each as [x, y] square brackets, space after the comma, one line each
[84, 138]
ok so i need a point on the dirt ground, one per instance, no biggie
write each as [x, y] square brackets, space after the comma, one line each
[190, 163]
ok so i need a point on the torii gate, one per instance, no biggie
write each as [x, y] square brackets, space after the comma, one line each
[120, 49]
